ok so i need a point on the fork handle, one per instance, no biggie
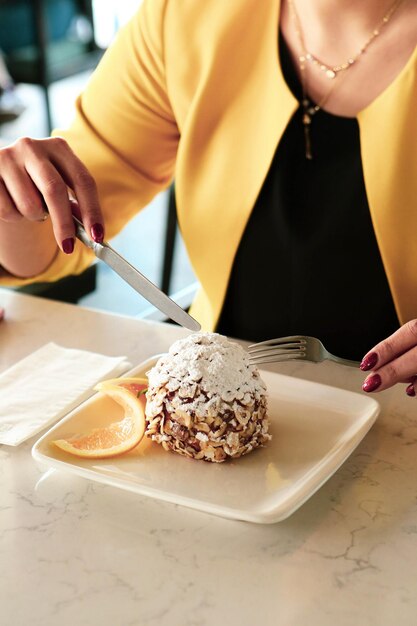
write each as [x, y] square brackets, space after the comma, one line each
[338, 359]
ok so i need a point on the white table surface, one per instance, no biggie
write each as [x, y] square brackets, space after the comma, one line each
[75, 552]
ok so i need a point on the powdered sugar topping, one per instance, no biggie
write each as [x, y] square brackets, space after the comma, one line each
[209, 363]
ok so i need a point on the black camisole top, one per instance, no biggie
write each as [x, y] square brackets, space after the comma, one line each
[308, 262]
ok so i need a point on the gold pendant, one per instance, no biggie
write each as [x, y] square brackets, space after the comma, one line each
[307, 135]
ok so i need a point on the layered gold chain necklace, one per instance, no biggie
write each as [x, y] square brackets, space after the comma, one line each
[330, 71]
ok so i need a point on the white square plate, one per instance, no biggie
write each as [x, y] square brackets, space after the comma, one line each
[314, 429]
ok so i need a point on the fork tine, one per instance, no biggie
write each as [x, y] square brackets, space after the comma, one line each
[278, 341]
[277, 358]
[276, 348]
[266, 349]
[273, 351]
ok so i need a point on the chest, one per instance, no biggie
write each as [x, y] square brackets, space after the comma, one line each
[374, 71]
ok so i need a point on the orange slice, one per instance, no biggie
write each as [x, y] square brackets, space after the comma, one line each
[135, 385]
[116, 438]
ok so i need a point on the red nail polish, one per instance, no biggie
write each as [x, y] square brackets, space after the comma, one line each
[369, 362]
[68, 245]
[410, 391]
[372, 383]
[97, 233]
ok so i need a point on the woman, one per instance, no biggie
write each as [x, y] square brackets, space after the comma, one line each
[295, 173]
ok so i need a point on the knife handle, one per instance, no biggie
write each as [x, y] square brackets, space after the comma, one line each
[81, 234]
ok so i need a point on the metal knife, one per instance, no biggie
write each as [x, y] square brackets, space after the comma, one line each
[135, 279]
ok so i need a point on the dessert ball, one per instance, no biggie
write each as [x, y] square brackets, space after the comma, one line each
[206, 401]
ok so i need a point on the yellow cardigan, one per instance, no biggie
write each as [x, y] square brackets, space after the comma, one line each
[195, 89]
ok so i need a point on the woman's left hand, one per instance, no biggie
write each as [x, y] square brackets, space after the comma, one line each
[392, 361]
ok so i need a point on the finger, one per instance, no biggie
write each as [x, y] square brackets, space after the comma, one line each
[54, 191]
[21, 190]
[399, 369]
[1, 314]
[396, 344]
[8, 211]
[82, 183]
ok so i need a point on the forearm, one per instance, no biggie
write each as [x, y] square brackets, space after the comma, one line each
[26, 248]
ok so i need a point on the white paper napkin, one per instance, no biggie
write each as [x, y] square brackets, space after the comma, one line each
[41, 388]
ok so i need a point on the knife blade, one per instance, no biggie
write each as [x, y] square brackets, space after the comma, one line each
[135, 279]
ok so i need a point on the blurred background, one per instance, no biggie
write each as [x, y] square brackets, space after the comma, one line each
[49, 48]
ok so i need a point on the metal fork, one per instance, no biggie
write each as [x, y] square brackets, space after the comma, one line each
[293, 347]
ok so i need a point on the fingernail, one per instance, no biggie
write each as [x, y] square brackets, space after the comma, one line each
[68, 245]
[97, 233]
[410, 391]
[369, 362]
[372, 383]
[43, 218]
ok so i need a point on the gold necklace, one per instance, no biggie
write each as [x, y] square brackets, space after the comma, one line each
[331, 71]
[309, 108]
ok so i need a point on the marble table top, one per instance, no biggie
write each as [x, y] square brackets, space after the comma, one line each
[77, 552]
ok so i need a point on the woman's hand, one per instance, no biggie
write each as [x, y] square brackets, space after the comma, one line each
[35, 178]
[392, 361]
[1, 314]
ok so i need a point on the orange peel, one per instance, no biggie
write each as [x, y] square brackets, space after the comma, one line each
[122, 382]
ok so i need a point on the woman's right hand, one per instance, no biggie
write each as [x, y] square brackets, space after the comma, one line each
[36, 176]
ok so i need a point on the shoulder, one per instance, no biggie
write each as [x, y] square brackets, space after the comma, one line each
[203, 27]
[196, 18]
[190, 26]
[206, 15]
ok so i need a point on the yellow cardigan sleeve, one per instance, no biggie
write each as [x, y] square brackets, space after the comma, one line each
[124, 131]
